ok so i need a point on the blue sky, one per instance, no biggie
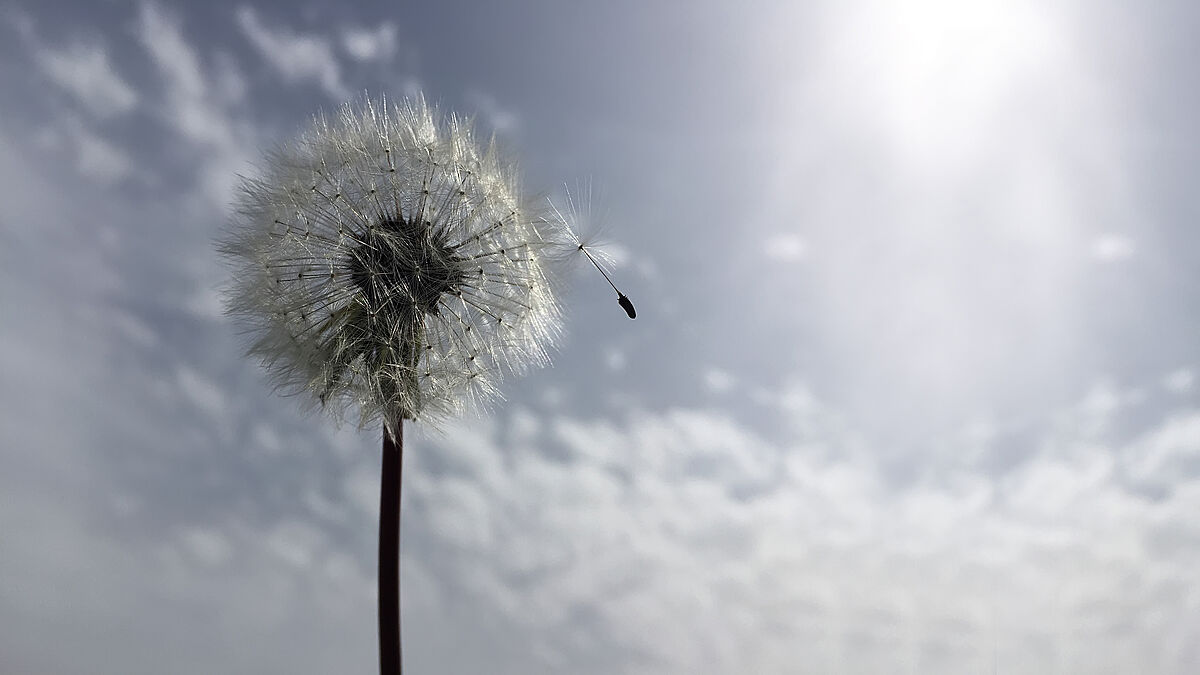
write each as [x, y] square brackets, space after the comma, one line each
[911, 387]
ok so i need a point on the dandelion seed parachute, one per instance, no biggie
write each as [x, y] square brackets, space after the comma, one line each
[386, 262]
[580, 213]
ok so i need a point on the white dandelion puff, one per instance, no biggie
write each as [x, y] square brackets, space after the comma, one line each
[387, 262]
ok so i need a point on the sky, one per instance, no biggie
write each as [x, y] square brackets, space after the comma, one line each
[911, 388]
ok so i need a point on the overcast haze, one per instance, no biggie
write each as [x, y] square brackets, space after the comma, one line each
[911, 388]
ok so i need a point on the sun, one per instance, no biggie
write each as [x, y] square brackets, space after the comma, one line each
[965, 157]
[933, 74]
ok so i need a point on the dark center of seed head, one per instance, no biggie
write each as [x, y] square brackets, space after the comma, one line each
[402, 262]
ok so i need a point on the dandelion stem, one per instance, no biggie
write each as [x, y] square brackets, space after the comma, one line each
[389, 551]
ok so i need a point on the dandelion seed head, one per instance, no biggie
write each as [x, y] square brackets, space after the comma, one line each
[386, 263]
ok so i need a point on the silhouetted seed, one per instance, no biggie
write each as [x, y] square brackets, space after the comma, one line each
[627, 306]
[623, 301]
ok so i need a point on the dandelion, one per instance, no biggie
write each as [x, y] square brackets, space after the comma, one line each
[387, 265]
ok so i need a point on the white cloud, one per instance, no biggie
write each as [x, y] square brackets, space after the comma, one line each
[750, 552]
[195, 107]
[208, 546]
[96, 157]
[361, 487]
[1179, 381]
[614, 358]
[266, 437]
[201, 391]
[785, 247]
[189, 107]
[718, 381]
[206, 301]
[297, 543]
[1111, 248]
[1168, 455]
[297, 57]
[83, 70]
[366, 45]
[503, 120]
[229, 82]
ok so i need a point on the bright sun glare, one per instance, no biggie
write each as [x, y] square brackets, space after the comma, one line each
[942, 69]
[958, 128]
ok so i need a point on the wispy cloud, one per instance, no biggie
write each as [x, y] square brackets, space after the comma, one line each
[296, 56]
[98, 158]
[95, 157]
[785, 247]
[188, 103]
[368, 45]
[500, 118]
[1179, 381]
[718, 381]
[1111, 248]
[197, 103]
[83, 70]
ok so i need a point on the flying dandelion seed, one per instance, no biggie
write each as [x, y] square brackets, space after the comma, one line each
[580, 212]
[386, 263]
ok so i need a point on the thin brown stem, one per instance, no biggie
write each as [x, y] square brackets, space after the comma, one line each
[389, 551]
